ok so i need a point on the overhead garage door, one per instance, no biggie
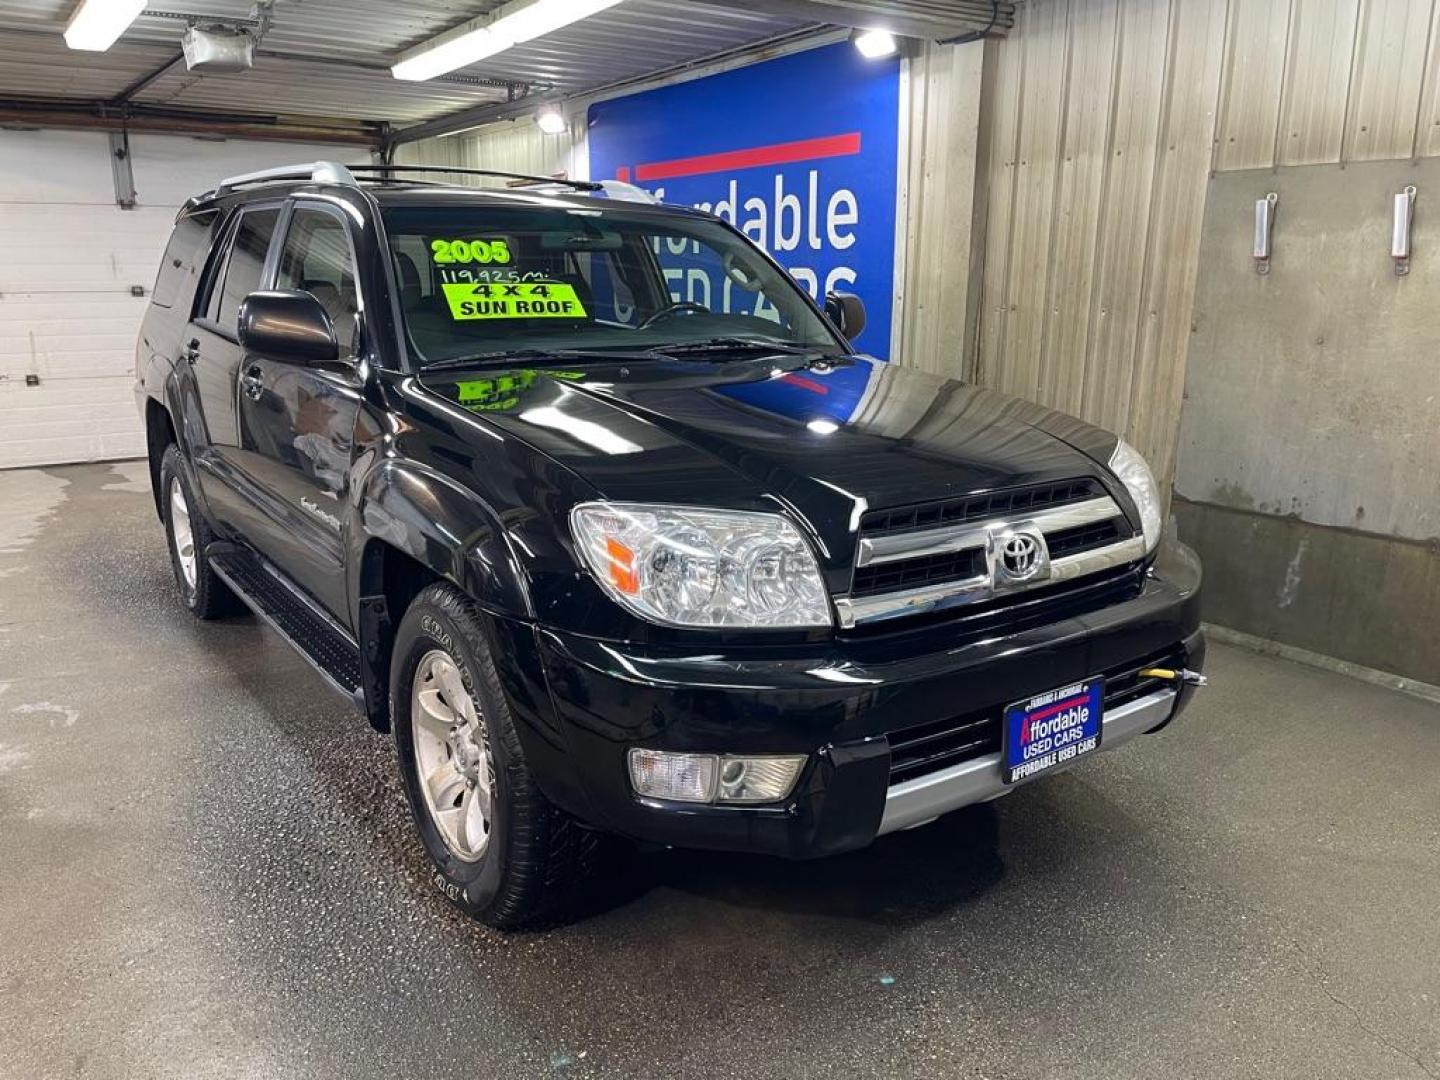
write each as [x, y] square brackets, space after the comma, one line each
[71, 264]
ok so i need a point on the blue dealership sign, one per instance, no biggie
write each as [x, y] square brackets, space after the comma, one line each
[799, 153]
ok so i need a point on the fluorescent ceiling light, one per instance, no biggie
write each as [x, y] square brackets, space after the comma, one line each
[541, 17]
[469, 48]
[875, 44]
[507, 26]
[96, 24]
[551, 121]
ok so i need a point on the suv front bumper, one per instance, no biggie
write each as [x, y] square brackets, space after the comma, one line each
[839, 704]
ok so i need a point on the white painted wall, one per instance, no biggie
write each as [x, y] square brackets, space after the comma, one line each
[68, 257]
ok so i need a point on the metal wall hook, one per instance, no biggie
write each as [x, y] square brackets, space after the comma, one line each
[1404, 212]
[1264, 227]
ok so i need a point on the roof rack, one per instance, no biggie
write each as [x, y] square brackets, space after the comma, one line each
[318, 172]
[526, 178]
[332, 172]
[613, 189]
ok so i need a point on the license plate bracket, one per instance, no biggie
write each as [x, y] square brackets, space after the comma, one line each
[1051, 730]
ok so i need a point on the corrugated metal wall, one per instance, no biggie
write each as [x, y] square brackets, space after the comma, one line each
[1106, 119]
[513, 146]
[1102, 120]
[941, 109]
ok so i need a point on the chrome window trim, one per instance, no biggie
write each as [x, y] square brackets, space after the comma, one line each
[853, 611]
[875, 550]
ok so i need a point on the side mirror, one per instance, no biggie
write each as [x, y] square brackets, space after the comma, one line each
[846, 311]
[289, 326]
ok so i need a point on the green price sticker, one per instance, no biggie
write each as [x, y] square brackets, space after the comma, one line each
[497, 394]
[503, 392]
[451, 252]
[513, 300]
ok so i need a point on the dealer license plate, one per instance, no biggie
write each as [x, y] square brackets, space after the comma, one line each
[1052, 729]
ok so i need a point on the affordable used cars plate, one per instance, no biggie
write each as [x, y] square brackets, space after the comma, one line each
[1052, 729]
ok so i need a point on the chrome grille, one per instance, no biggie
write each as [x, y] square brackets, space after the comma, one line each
[912, 573]
[923, 558]
[997, 504]
[1086, 537]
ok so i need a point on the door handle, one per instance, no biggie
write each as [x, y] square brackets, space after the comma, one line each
[250, 382]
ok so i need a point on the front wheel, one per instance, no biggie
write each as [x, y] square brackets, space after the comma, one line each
[501, 851]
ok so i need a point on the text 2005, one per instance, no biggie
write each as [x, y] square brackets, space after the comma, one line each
[449, 252]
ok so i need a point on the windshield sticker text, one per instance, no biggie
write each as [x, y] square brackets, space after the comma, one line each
[481, 275]
[449, 252]
[514, 300]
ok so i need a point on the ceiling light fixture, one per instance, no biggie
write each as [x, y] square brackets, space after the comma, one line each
[507, 26]
[95, 25]
[874, 44]
[551, 120]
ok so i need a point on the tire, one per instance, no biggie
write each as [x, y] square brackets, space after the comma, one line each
[201, 591]
[529, 864]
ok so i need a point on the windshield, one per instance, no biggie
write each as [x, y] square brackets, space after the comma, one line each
[477, 280]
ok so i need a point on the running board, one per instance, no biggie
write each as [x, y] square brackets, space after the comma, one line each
[292, 615]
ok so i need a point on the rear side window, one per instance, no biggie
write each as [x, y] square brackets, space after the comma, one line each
[182, 257]
[245, 265]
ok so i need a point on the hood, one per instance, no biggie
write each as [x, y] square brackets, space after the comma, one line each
[827, 439]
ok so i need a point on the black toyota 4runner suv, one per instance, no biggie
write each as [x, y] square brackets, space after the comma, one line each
[586, 501]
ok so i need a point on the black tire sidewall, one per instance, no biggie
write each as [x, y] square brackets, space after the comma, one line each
[427, 626]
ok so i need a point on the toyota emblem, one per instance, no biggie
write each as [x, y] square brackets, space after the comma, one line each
[1018, 555]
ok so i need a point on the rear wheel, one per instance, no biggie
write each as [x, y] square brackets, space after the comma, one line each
[501, 851]
[206, 596]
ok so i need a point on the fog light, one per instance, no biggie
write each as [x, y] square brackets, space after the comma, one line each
[708, 778]
[757, 779]
[659, 774]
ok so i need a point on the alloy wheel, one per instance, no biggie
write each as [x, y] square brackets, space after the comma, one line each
[452, 756]
[182, 533]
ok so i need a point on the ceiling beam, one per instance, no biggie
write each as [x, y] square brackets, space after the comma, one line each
[104, 116]
[934, 22]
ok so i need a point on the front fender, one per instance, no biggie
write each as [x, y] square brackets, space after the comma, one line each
[441, 525]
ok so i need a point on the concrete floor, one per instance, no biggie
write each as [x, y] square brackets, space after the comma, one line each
[206, 870]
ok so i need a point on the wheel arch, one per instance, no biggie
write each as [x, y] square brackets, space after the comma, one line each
[413, 526]
[159, 434]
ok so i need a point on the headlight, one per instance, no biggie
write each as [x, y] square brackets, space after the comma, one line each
[690, 567]
[1135, 474]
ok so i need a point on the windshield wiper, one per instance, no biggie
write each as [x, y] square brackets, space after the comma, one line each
[733, 344]
[505, 356]
[656, 352]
